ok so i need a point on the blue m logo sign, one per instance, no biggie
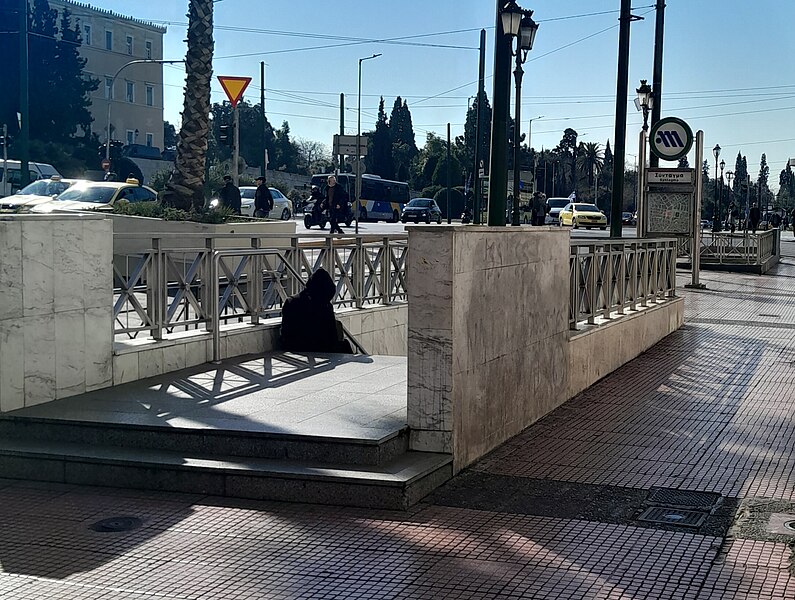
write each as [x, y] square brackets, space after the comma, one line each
[669, 139]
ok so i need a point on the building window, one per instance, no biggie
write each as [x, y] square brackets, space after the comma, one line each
[108, 88]
[150, 95]
[130, 137]
[150, 139]
[130, 91]
[108, 40]
[148, 49]
[129, 45]
[87, 35]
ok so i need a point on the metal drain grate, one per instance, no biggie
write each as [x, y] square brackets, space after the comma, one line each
[673, 516]
[115, 524]
[683, 498]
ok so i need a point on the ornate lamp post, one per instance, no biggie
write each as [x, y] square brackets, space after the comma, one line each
[720, 197]
[527, 35]
[645, 102]
[716, 210]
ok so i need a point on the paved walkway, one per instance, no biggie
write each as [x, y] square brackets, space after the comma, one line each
[553, 513]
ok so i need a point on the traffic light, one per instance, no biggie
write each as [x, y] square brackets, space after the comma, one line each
[226, 135]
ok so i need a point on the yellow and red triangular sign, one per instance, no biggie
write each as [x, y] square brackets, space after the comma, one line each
[234, 87]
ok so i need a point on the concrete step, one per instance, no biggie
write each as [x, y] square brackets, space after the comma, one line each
[209, 442]
[395, 484]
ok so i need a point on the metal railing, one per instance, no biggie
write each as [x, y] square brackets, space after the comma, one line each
[609, 277]
[233, 278]
[741, 248]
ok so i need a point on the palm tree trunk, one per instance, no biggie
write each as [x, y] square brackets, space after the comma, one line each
[185, 188]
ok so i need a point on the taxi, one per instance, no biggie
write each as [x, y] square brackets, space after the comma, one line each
[579, 214]
[40, 191]
[98, 195]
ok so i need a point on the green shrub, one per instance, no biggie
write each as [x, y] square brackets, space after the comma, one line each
[158, 211]
[430, 191]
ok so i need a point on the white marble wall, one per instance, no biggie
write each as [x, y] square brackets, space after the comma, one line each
[55, 307]
[488, 334]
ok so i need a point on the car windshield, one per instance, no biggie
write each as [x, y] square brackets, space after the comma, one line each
[44, 187]
[247, 192]
[88, 193]
[627, 214]
[586, 208]
[557, 203]
[420, 203]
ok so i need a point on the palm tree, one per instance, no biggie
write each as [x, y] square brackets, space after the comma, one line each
[591, 160]
[185, 188]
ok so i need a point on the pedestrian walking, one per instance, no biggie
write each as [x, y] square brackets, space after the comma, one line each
[733, 214]
[263, 199]
[539, 209]
[308, 322]
[337, 203]
[229, 195]
[754, 217]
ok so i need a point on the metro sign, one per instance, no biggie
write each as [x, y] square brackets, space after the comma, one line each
[670, 138]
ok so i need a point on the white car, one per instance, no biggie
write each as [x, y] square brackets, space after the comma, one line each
[98, 195]
[554, 206]
[282, 206]
[38, 192]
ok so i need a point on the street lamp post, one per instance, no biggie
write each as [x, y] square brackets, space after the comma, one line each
[113, 85]
[527, 34]
[359, 143]
[730, 197]
[716, 209]
[645, 102]
[720, 205]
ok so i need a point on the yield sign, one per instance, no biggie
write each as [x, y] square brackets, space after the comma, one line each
[234, 87]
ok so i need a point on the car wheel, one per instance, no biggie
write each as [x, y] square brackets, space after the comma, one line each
[404, 221]
[363, 214]
[560, 222]
[322, 224]
[439, 220]
[285, 215]
[395, 216]
[428, 219]
[348, 223]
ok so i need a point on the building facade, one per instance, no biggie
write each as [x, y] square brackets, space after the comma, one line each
[135, 92]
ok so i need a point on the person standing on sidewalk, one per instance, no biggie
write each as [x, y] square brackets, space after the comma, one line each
[733, 214]
[539, 212]
[754, 217]
[230, 195]
[337, 203]
[263, 199]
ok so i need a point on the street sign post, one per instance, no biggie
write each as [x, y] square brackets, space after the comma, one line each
[345, 145]
[234, 88]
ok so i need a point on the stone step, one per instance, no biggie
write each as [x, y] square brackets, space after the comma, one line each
[395, 484]
[209, 442]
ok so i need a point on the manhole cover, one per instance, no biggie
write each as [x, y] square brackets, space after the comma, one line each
[683, 498]
[117, 524]
[673, 516]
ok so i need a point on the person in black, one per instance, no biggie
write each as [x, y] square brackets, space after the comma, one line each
[337, 203]
[263, 199]
[317, 201]
[733, 214]
[308, 323]
[539, 210]
[230, 195]
[754, 217]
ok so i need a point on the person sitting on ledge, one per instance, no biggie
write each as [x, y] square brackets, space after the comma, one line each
[308, 323]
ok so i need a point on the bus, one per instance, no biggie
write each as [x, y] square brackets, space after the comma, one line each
[381, 199]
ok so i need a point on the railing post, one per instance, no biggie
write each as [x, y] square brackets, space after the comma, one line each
[208, 303]
[621, 280]
[294, 287]
[574, 287]
[608, 295]
[254, 286]
[157, 289]
[358, 272]
[216, 316]
[386, 272]
[591, 283]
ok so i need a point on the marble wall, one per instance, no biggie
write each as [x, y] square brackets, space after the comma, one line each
[55, 307]
[488, 334]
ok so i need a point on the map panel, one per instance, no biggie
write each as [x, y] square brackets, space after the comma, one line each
[669, 213]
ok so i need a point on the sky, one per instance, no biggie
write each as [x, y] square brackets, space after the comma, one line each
[729, 67]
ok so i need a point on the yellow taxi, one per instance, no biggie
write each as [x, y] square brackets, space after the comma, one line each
[579, 214]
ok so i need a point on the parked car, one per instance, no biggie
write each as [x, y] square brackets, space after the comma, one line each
[282, 206]
[627, 218]
[578, 214]
[98, 195]
[38, 192]
[554, 206]
[421, 209]
[10, 182]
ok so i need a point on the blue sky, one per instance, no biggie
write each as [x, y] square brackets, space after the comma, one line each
[729, 66]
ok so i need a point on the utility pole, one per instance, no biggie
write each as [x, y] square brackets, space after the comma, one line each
[621, 118]
[262, 116]
[5, 159]
[479, 126]
[23, 142]
[501, 97]
[340, 158]
[449, 216]
[656, 87]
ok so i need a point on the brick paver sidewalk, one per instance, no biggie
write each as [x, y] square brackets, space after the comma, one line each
[553, 513]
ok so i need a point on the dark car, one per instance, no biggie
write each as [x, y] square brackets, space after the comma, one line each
[421, 209]
[627, 218]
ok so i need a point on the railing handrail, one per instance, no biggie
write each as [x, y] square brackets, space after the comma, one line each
[149, 236]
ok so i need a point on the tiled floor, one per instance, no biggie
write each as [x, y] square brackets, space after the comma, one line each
[710, 409]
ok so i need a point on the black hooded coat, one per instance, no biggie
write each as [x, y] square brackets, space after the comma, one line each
[308, 323]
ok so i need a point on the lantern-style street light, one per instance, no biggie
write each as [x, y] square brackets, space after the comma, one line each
[645, 102]
[716, 210]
